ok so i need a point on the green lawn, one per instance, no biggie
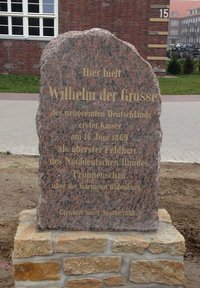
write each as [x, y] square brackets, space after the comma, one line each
[180, 85]
[19, 83]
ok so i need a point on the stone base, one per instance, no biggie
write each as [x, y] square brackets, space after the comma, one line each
[58, 259]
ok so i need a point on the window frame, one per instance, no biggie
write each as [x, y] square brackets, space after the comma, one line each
[26, 15]
[174, 32]
[175, 23]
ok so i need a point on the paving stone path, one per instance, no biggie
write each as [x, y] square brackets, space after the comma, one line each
[180, 120]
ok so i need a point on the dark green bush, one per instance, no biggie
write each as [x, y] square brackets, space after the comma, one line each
[174, 66]
[188, 65]
[197, 64]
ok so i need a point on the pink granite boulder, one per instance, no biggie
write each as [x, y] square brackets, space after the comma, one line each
[99, 135]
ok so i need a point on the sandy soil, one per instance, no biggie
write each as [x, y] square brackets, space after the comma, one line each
[179, 194]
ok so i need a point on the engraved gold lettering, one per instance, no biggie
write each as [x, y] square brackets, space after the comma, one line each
[108, 96]
[112, 137]
[78, 114]
[111, 74]
[86, 149]
[71, 95]
[55, 113]
[98, 175]
[94, 162]
[76, 137]
[58, 186]
[104, 213]
[84, 186]
[100, 137]
[119, 150]
[87, 72]
[87, 137]
[130, 114]
[86, 125]
[109, 126]
[136, 97]
[53, 92]
[63, 149]
[72, 186]
[133, 163]
[119, 137]
[54, 161]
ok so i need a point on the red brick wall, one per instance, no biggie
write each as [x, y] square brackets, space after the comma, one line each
[127, 19]
[20, 56]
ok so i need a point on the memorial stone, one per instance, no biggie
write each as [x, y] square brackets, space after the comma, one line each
[99, 135]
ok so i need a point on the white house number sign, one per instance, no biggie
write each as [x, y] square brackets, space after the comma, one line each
[164, 13]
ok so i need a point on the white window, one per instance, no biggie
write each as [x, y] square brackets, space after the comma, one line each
[174, 32]
[174, 22]
[31, 19]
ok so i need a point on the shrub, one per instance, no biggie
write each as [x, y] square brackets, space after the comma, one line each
[197, 64]
[188, 65]
[174, 66]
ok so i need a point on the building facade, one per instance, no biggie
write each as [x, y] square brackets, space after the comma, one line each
[27, 25]
[174, 30]
[184, 22]
[190, 28]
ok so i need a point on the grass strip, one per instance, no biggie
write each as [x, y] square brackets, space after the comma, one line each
[180, 85]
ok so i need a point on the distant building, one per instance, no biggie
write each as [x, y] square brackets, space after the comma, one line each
[184, 22]
[27, 25]
[190, 28]
[174, 29]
